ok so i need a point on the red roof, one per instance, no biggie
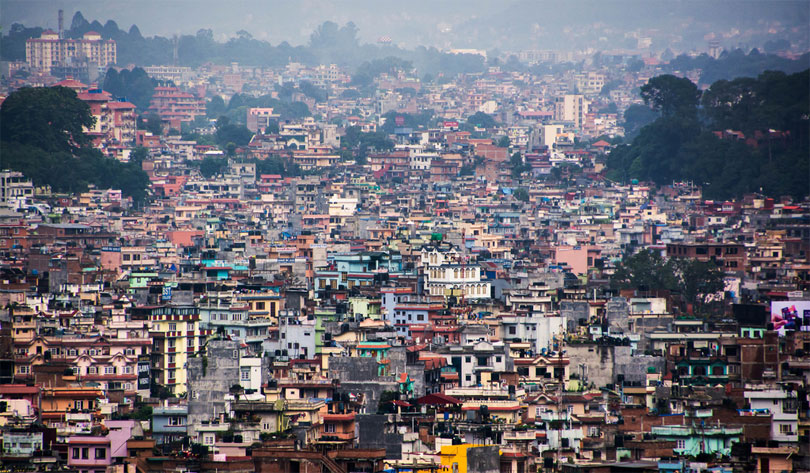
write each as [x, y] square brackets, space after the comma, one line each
[438, 399]
[71, 83]
[18, 389]
[121, 105]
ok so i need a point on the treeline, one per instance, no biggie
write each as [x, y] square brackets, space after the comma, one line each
[736, 63]
[329, 44]
[236, 110]
[682, 143]
[41, 136]
[136, 86]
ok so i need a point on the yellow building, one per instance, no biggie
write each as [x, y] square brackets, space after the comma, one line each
[176, 335]
[49, 50]
[454, 457]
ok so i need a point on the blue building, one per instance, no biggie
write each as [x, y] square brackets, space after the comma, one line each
[169, 424]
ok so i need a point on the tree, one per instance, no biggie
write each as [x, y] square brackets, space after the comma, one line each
[518, 166]
[210, 166]
[227, 133]
[49, 118]
[698, 280]
[671, 95]
[637, 117]
[135, 86]
[138, 155]
[645, 271]
[503, 142]
[152, 123]
[481, 120]
[684, 146]
[386, 404]
[313, 92]
[521, 194]
[466, 170]
[215, 107]
[41, 136]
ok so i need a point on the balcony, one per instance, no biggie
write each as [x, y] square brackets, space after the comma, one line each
[520, 436]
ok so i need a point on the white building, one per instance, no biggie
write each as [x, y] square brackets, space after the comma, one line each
[15, 189]
[446, 271]
[49, 51]
[571, 108]
[784, 409]
[440, 280]
[537, 330]
[471, 361]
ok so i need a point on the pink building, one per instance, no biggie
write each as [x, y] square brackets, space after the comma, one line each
[89, 454]
[579, 258]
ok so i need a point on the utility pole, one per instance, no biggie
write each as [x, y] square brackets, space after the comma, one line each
[560, 400]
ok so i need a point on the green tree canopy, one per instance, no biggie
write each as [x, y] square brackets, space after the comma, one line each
[481, 120]
[49, 118]
[135, 86]
[41, 136]
[671, 95]
[688, 143]
[645, 271]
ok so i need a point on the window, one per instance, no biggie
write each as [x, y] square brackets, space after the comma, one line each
[174, 421]
[329, 428]
[680, 444]
[245, 374]
[172, 327]
[76, 452]
[109, 370]
[127, 370]
[786, 429]
[208, 439]
[85, 453]
[78, 405]
[512, 330]
[101, 453]
[92, 370]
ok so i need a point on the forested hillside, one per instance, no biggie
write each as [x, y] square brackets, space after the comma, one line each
[738, 136]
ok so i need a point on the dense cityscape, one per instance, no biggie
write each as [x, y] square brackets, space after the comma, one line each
[348, 256]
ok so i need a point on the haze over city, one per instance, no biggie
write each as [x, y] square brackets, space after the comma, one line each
[508, 25]
[405, 237]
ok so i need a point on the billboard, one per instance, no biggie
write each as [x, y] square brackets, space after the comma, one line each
[144, 375]
[790, 316]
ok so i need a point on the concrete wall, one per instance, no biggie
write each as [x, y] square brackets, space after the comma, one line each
[572, 312]
[359, 376]
[372, 434]
[618, 312]
[208, 386]
[483, 459]
[603, 363]
[598, 361]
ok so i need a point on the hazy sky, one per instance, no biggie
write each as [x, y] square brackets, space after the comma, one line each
[511, 24]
